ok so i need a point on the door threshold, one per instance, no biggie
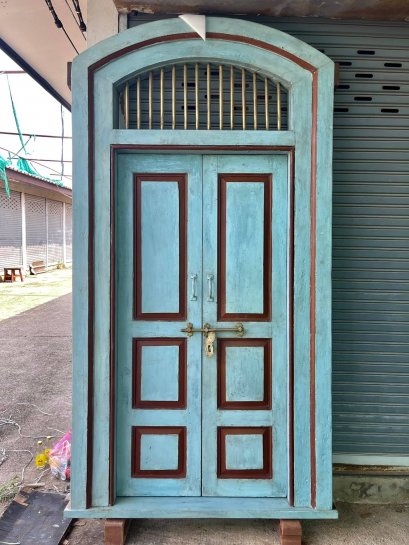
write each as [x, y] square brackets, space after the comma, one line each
[201, 507]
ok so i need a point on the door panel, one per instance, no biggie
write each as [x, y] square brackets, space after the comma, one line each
[245, 233]
[159, 369]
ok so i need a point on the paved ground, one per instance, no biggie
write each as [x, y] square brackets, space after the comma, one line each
[19, 296]
[35, 367]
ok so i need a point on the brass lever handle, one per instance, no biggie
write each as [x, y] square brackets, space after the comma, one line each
[207, 328]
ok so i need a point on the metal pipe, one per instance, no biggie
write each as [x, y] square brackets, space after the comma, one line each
[138, 102]
[161, 98]
[220, 97]
[231, 97]
[243, 98]
[208, 97]
[185, 94]
[266, 104]
[255, 100]
[278, 107]
[197, 95]
[150, 99]
[173, 97]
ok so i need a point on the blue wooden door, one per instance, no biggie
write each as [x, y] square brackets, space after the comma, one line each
[202, 239]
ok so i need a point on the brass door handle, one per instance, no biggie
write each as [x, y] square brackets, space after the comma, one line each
[207, 328]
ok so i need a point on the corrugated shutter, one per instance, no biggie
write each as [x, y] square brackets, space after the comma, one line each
[10, 229]
[36, 229]
[55, 232]
[68, 232]
[370, 230]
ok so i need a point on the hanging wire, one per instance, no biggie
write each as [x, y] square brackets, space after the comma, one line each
[59, 24]
[76, 20]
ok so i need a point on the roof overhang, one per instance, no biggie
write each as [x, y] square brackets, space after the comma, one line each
[26, 183]
[383, 10]
[29, 36]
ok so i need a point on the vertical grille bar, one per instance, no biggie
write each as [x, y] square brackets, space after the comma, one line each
[173, 97]
[185, 96]
[255, 100]
[220, 97]
[127, 105]
[243, 98]
[266, 106]
[208, 97]
[278, 107]
[150, 99]
[231, 97]
[138, 103]
[197, 95]
[161, 97]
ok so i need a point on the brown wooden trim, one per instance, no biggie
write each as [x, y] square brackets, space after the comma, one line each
[267, 470]
[290, 532]
[91, 70]
[137, 472]
[181, 147]
[266, 402]
[181, 180]
[137, 401]
[115, 531]
[223, 315]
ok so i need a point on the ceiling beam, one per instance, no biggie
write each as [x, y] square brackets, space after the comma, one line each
[383, 10]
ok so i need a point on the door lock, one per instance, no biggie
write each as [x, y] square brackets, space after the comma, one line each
[207, 329]
[209, 343]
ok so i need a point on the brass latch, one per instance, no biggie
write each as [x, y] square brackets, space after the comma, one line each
[207, 328]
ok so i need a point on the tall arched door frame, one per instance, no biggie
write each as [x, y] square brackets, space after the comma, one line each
[308, 76]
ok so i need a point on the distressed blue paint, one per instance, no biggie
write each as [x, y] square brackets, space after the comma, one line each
[159, 451]
[276, 329]
[128, 329]
[244, 373]
[299, 82]
[160, 373]
[160, 246]
[244, 451]
[244, 247]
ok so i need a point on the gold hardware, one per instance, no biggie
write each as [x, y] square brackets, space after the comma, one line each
[266, 103]
[127, 105]
[278, 107]
[150, 98]
[207, 328]
[209, 344]
[243, 98]
[138, 103]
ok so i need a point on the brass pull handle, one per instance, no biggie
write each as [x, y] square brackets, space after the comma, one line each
[207, 328]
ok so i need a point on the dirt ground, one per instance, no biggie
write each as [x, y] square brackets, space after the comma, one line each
[35, 367]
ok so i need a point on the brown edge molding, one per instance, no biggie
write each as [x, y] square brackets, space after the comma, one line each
[91, 220]
[137, 472]
[137, 401]
[266, 472]
[266, 402]
[138, 313]
[223, 180]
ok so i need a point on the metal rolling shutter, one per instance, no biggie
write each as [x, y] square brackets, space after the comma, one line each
[10, 229]
[36, 229]
[68, 232]
[370, 230]
[55, 232]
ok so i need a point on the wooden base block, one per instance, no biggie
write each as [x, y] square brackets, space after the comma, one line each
[116, 531]
[290, 532]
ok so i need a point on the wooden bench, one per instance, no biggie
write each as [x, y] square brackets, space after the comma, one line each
[37, 267]
[11, 274]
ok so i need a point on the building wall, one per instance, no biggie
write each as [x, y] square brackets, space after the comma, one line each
[370, 233]
[45, 238]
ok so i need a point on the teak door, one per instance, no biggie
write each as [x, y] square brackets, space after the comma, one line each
[202, 325]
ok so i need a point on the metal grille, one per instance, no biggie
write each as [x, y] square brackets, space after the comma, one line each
[36, 229]
[55, 232]
[370, 229]
[68, 232]
[202, 96]
[10, 229]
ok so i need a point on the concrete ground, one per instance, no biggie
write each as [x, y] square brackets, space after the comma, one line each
[35, 367]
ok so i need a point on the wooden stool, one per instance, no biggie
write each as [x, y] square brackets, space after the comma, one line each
[290, 532]
[11, 273]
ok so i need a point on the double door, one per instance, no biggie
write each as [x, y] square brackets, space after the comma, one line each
[202, 325]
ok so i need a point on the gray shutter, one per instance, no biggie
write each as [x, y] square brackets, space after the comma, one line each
[55, 232]
[370, 229]
[36, 230]
[68, 232]
[10, 229]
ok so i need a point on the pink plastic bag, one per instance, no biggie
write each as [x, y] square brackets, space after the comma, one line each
[60, 458]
